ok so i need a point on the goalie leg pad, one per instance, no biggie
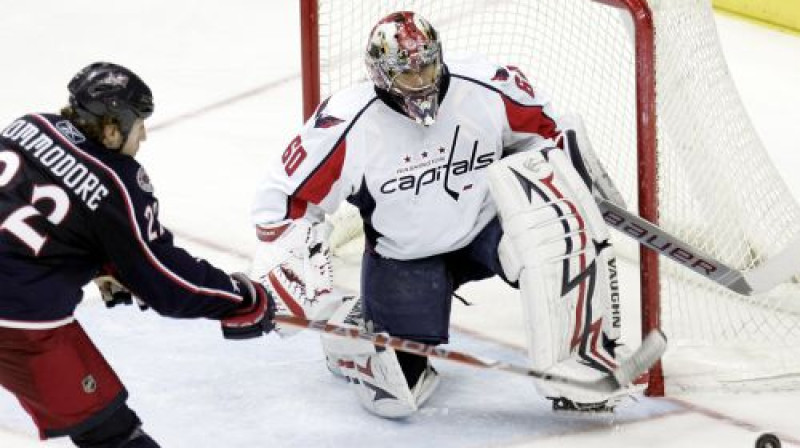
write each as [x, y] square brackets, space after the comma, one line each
[375, 375]
[557, 243]
[338, 350]
[382, 388]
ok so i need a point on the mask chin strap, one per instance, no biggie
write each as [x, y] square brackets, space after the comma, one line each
[422, 108]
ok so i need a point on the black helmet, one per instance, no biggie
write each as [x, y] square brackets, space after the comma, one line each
[103, 89]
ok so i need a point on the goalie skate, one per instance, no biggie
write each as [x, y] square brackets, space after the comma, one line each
[565, 405]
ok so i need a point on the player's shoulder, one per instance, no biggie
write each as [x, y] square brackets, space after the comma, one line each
[471, 67]
[56, 149]
[507, 80]
[127, 170]
[345, 105]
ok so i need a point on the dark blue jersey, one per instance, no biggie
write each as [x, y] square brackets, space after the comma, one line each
[70, 208]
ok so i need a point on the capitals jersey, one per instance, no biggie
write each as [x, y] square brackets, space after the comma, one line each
[70, 208]
[421, 191]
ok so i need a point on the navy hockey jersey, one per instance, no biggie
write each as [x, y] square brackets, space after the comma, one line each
[69, 208]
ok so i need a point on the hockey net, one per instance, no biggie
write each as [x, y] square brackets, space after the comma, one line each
[683, 154]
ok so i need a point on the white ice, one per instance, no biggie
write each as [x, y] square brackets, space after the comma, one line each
[227, 88]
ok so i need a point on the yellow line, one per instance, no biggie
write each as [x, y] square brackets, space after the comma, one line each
[782, 15]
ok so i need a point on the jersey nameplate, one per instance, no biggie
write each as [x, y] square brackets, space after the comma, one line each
[73, 174]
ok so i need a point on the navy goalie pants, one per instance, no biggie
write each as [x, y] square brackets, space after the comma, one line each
[411, 298]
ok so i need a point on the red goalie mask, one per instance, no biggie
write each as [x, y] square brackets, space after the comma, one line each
[404, 57]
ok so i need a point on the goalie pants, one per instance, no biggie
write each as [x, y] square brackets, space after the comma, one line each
[60, 378]
[411, 298]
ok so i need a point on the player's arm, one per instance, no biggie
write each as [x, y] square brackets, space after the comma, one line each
[141, 253]
[532, 121]
[309, 177]
[306, 181]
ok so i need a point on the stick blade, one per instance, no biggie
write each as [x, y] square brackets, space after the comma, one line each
[651, 350]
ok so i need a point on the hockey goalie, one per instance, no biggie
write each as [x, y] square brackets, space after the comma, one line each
[460, 172]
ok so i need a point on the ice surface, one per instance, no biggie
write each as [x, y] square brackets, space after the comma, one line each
[227, 89]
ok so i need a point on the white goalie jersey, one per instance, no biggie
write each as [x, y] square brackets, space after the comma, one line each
[421, 190]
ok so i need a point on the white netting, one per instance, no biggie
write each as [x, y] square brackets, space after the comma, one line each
[717, 188]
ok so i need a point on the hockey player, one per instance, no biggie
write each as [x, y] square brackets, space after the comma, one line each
[412, 150]
[76, 205]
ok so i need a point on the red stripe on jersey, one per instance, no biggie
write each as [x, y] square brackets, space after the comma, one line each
[530, 119]
[297, 208]
[319, 184]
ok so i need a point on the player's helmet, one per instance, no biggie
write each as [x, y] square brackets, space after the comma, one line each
[103, 89]
[404, 57]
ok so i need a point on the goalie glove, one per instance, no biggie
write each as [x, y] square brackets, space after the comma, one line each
[293, 263]
[254, 317]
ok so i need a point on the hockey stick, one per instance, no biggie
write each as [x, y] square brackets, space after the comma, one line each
[629, 369]
[762, 278]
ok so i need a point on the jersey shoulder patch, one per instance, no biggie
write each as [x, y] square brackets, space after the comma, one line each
[343, 106]
[143, 180]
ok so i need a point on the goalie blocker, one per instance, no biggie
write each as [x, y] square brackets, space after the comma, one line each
[557, 246]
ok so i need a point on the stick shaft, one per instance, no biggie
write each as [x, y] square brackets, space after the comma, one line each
[607, 384]
[655, 238]
[778, 269]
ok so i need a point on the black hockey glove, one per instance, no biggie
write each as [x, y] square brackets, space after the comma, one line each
[255, 316]
[114, 293]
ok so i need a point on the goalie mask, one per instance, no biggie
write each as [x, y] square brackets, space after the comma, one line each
[404, 58]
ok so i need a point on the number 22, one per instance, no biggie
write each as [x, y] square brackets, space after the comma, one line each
[18, 222]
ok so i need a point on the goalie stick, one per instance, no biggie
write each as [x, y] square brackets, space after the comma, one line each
[762, 278]
[629, 369]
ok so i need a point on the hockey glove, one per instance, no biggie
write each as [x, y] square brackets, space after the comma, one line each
[293, 263]
[255, 316]
[114, 293]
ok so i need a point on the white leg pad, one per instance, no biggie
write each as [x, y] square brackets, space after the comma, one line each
[557, 242]
[381, 387]
[339, 350]
[374, 374]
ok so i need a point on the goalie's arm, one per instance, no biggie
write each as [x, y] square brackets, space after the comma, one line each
[315, 172]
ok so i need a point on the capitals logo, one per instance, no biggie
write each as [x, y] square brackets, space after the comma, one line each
[441, 173]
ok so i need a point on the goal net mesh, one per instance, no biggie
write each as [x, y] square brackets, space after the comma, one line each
[717, 188]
